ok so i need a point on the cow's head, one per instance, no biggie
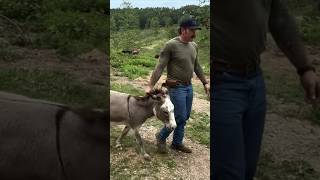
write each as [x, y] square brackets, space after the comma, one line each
[163, 109]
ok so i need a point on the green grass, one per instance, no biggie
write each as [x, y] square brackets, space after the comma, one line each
[126, 88]
[133, 66]
[199, 89]
[269, 169]
[52, 85]
[132, 166]
[199, 128]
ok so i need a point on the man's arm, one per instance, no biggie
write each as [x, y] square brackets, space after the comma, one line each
[199, 72]
[163, 62]
[285, 32]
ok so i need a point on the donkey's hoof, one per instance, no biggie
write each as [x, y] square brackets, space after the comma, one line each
[147, 157]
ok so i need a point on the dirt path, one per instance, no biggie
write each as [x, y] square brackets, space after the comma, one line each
[288, 135]
[188, 166]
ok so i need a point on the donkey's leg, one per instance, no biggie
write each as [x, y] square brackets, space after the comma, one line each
[141, 145]
[124, 132]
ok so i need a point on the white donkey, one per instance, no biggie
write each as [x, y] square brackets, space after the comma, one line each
[133, 111]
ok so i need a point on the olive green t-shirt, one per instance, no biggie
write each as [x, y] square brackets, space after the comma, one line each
[181, 60]
[239, 29]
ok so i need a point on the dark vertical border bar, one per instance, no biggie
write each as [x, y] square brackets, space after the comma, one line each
[107, 12]
[211, 84]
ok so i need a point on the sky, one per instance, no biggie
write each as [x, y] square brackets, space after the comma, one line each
[155, 3]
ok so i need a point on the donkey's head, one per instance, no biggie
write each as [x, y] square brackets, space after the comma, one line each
[163, 109]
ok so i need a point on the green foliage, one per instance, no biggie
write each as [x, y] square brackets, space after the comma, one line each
[122, 19]
[310, 27]
[72, 27]
[154, 23]
[199, 128]
[307, 14]
[134, 71]
[73, 33]
[18, 9]
[299, 7]
[125, 39]
[52, 85]
[172, 32]
[76, 5]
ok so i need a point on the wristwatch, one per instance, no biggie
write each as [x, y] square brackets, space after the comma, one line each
[304, 69]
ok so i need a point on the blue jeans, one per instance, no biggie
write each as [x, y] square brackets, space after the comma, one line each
[181, 97]
[238, 107]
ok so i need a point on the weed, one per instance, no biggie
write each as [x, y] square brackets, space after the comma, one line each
[199, 128]
[127, 88]
[269, 168]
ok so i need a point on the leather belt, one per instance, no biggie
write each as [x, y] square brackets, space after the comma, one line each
[241, 69]
[173, 83]
[186, 83]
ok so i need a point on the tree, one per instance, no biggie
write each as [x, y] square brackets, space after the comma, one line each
[126, 4]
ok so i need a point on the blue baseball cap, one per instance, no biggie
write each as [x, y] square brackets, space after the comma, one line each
[189, 23]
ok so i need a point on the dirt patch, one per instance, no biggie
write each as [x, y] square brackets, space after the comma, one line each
[288, 134]
[292, 139]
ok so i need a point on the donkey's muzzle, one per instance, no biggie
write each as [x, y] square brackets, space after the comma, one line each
[171, 127]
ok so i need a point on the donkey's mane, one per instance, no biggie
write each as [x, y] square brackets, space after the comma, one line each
[141, 98]
[146, 96]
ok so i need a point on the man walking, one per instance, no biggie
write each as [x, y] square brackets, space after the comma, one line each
[238, 95]
[180, 56]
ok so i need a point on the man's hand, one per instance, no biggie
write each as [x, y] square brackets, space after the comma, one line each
[311, 84]
[207, 89]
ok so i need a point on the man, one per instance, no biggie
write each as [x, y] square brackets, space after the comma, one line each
[180, 56]
[238, 94]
